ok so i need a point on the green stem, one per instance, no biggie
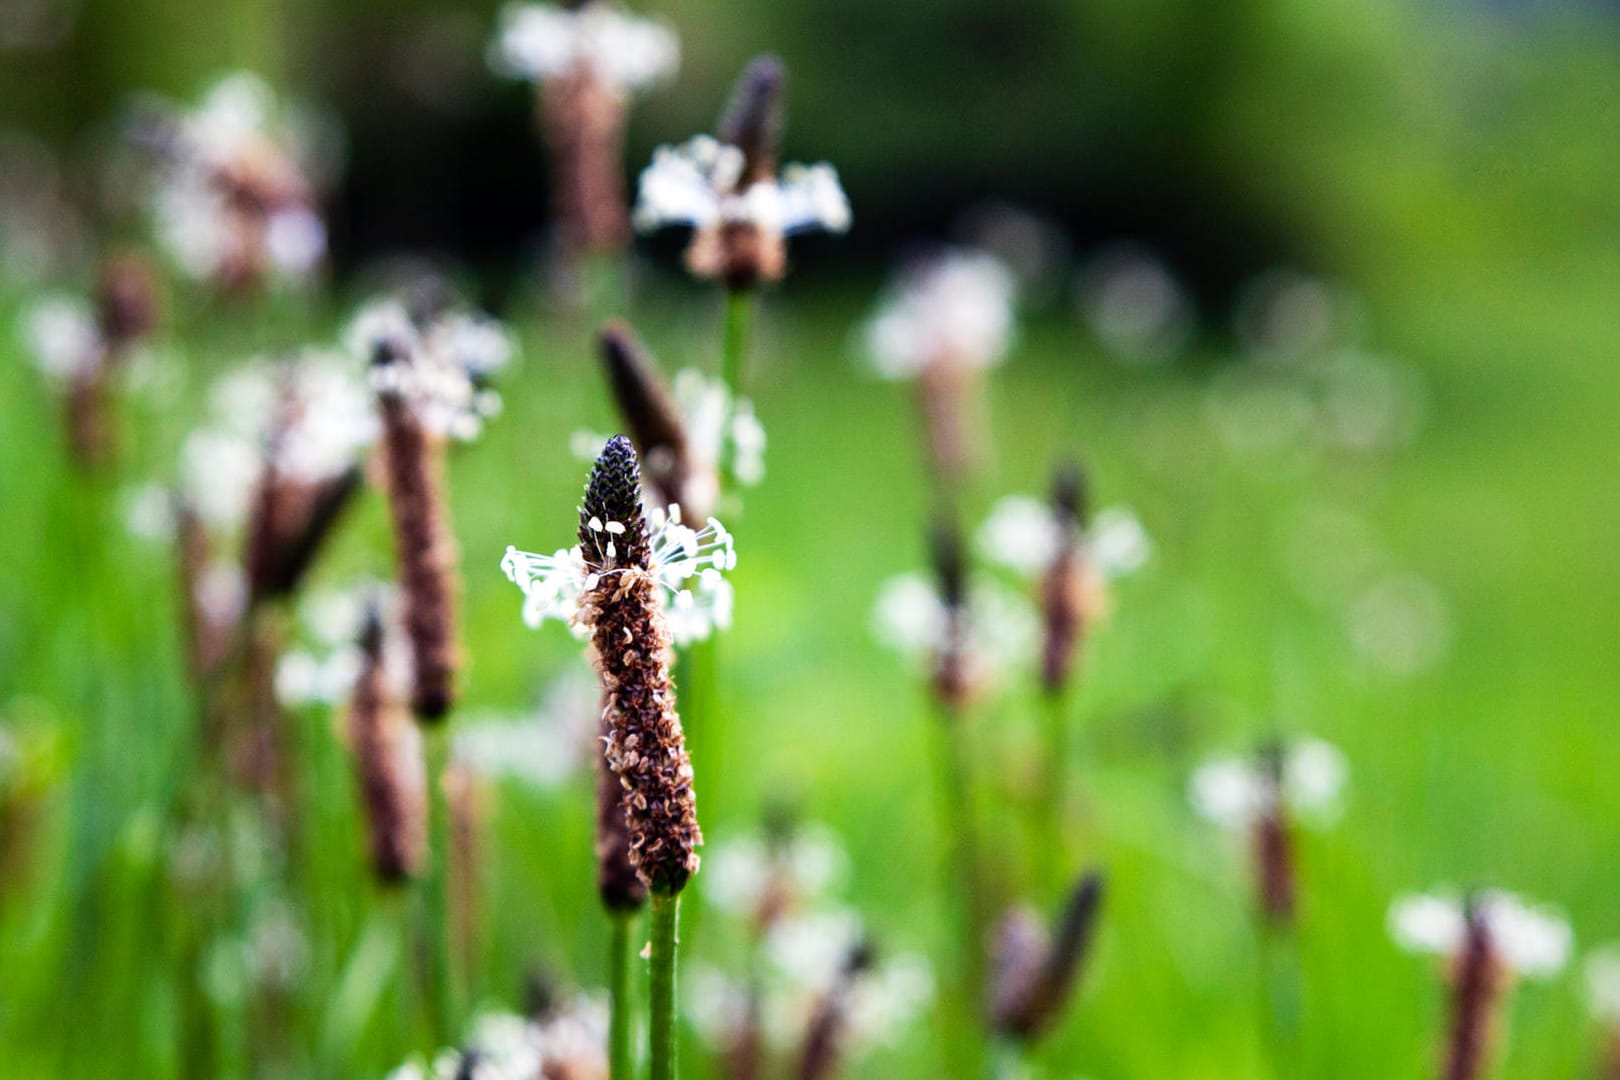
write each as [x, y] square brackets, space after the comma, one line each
[621, 1016]
[734, 357]
[963, 881]
[1006, 1060]
[442, 1006]
[1052, 856]
[1282, 991]
[666, 910]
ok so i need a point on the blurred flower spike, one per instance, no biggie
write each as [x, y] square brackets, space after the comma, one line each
[540, 42]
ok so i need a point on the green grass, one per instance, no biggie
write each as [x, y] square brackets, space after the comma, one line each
[1495, 766]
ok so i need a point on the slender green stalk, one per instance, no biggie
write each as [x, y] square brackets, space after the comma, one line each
[734, 355]
[1282, 991]
[621, 1003]
[602, 290]
[1051, 855]
[364, 980]
[434, 927]
[666, 909]
[1007, 1060]
[963, 883]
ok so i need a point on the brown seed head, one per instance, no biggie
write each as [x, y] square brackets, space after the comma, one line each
[753, 118]
[1478, 979]
[1063, 587]
[1273, 844]
[126, 301]
[423, 545]
[650, 413]
[388, 765]
[646, 747]
[1034, 977]
[621, 889]
[953, 666]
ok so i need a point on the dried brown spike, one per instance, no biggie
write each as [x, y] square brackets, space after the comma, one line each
[630, 645]
[289, 523]
[1064, 585]
[649, 411]
[617, 883]
[1034, 979]
[952, 666]
[753, 117]
[388, 765]
[1477, 983]
[426, 552]
[1273, 844]
[126, 301]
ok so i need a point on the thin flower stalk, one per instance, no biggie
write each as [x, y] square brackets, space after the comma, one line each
[961, 854]
[1063, 596]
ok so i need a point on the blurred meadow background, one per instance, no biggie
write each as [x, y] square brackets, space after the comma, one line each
[1322, 296]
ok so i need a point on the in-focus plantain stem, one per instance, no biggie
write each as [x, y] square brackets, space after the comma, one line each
[666, 909]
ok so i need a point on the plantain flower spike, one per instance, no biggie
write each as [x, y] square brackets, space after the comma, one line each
[630, 645]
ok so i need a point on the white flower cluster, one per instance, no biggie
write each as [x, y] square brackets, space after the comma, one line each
[1603, 985]
[693, 609]
[543, 748]
[544, 41]
[741, 874]
[1024, 535]
[572, 1041]
[911, 618]
[238, 129]
[805, 945]
[441, 368]
[1234, 792]
[954, 309]
[62, 333]
[1531, 940]
[324, 671]
[700, 183]
[313, 415]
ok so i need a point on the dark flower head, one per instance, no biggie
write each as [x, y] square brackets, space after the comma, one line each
[612, 527]
[753, 118]
[1035, 975]
[1070, 496]
[645, 403]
